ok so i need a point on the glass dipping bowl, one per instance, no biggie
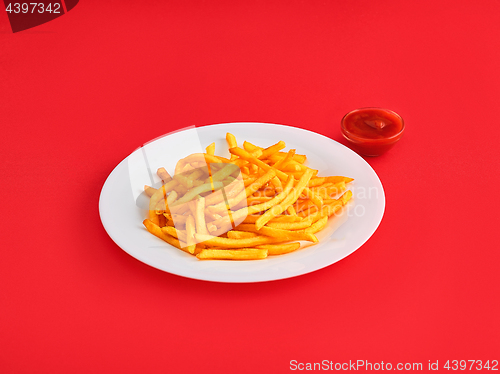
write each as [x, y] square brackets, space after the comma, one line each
[372, 131]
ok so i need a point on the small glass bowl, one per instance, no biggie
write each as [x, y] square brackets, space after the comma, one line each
[369, 146]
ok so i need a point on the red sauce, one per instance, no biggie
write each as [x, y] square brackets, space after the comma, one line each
[372, 131]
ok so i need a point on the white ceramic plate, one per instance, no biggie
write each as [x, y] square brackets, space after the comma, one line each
[122, 208]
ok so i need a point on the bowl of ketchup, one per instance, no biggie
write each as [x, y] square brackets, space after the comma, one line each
[372, 131]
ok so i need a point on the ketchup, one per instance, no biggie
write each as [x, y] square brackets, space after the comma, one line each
[372, 131]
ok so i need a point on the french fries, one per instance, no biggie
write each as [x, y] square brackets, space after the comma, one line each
[261, 202]
[242, 254]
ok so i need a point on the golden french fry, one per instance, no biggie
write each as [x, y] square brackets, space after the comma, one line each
[317, 181]
[301, 205]
[224, 254]
[242, 154]
[162, 221]
[331, 209]
[266, 192]
[276, 183]
[291, 210]
[315, 198]
[199, 217]
[184, 180]
[199, 248]
[164, 175]
[231, 190]
[159, 194]
[202, 158]
[231, 140]
[172, 196]
[210, 217]
[346, 197]
[279, 249]
[235, 234]
[178, 219]
[240, 162]
[215, 241]
[298, 174]
[304, 214]
[211, 149]
[163, 205]
[222, 230]
[289, 164]
[266, 153]
[177, 234]
[299, 158]
[339, 179]
[199, 173]
[292, 168]
[289, 200]
[326, 190]
[286, 218]
[225, 171]
[249, 147]
[304, 224]
[252, 200]
[283, 235]
[149, 190]
[240, 214]
[248, 181]
[191, 194]
[322, 186]
[190, 179]
[318, 225]
[253, 168]
[279, 219]
[190, 231]
[157, 231]
[244, 194]
[282, 162]
[180, 189]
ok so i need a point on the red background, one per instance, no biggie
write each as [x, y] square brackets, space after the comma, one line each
[78, 94]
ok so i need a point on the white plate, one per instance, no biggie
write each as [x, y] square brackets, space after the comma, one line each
[122, 215]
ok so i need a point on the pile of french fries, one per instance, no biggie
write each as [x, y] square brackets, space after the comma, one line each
[260, 202]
